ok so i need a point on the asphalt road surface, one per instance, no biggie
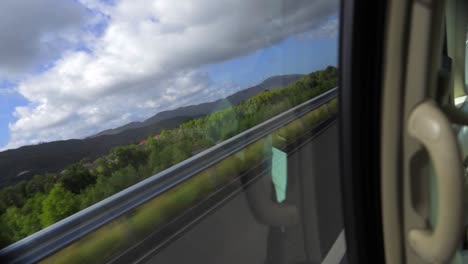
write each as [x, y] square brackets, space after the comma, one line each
[234, 234]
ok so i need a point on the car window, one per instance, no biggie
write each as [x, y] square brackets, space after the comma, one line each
[137, 128]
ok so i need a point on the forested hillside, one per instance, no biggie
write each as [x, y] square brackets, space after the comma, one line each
[25, 162]
[207, 108]
[32, 205]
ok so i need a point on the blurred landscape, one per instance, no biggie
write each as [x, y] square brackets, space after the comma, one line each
[25, 162]
[44, 199]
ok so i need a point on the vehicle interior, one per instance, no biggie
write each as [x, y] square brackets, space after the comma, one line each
[422, 92]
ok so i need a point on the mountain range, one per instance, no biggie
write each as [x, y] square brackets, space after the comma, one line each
[25, 162]
[210, 107]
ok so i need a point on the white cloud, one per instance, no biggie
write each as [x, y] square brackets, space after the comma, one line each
[33, 32]
[148, 60]
[328, 29]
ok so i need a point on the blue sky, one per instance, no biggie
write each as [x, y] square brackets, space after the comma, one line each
[102, 64]
[291, 56]
[8, 101]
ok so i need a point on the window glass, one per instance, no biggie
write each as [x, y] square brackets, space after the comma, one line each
[460, 99]
[460, 94]
[98, 96]
[466, 63]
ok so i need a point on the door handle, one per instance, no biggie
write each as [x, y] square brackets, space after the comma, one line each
[429, 125]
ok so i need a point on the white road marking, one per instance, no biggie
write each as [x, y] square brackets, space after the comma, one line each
[337, 251]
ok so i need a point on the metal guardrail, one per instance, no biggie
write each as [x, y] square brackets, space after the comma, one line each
[45, 242]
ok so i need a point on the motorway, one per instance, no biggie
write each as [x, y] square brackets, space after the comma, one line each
[234, 234]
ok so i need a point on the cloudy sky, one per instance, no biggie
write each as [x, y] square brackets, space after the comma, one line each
[71, 68]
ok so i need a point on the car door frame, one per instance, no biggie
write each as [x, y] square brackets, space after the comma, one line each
[360, 67]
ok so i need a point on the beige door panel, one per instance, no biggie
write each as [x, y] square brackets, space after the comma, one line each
[411, 78]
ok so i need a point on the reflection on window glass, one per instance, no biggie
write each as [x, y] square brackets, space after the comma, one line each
[99, 95]
[466, 62]
[159, 213]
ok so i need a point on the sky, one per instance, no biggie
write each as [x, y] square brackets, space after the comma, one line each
[72, 68]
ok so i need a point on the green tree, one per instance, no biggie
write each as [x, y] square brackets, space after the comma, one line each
[76, 177]
[58, 204]
[31, 212]
[11, 222]
[120, 157]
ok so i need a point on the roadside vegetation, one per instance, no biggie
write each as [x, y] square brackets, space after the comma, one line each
[29, 206]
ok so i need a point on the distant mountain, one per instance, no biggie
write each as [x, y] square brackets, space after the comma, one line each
[207, 108]
[25, 162]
